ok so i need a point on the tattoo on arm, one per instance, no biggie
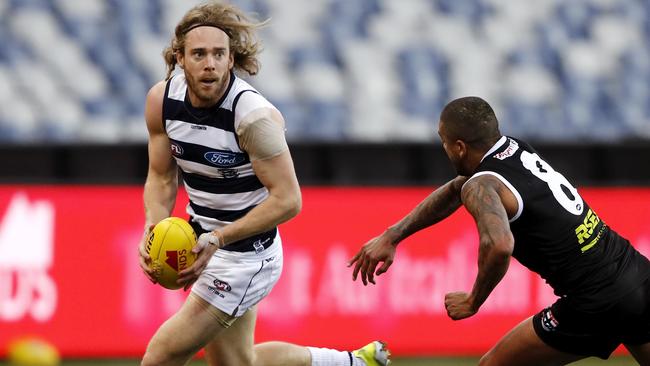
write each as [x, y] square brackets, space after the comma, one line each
[437, 206]
[481, 198]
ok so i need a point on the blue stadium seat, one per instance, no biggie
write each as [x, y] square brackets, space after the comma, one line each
[424, 50]
[425, 84]
[311, 54]
[325, 120]
[473, 10]
[294, 117]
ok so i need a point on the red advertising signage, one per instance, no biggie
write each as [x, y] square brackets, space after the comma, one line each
[69, 272]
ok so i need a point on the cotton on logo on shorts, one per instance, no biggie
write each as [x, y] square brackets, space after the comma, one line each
[549, 323]
[222, 286]
[219, 287]
[26, 247]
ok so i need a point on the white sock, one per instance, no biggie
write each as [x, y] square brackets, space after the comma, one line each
[332, 357]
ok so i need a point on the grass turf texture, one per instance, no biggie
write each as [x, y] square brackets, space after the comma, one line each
[614, 361]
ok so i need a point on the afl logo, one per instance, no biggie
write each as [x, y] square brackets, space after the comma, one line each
[224, 159]
[177, 150]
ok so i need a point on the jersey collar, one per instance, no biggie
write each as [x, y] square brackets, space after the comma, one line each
[495, 147]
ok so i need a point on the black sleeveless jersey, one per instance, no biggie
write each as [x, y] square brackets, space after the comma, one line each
[558, 235]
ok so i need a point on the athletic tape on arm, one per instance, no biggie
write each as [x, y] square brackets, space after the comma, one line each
[261, 135]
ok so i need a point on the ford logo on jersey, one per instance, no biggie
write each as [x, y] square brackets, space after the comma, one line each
[224, 159]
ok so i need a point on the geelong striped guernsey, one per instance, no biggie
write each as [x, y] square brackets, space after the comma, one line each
[217, 174]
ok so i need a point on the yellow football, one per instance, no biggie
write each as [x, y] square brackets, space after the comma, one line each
[32, 351]
[170, 246]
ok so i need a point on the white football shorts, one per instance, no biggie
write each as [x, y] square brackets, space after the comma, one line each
[233, 282]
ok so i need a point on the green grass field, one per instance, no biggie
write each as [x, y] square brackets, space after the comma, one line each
[614, 361]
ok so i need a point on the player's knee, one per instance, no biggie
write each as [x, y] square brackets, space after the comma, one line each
[153, 357]
[487, 360]
[230, 357]
[236, 361]
[246, 360]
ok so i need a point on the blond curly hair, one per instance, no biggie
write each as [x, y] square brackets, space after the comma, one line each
[244, 45]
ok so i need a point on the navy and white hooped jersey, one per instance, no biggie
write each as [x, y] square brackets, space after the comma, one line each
[557, 234]
[217, 174]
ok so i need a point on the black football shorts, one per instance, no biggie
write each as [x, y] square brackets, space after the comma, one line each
[567, 329]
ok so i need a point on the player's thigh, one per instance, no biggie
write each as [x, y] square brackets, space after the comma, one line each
[234, 346]
[641, 353]
[638, 343]
[522, 346]
[186, 332]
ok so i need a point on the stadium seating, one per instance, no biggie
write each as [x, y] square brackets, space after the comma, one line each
[364, 70]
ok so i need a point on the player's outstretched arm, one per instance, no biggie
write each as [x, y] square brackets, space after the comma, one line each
[162, 182]
[481, 196]
[436, 207]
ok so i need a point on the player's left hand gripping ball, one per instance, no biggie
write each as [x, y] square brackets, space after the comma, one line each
[170, 245]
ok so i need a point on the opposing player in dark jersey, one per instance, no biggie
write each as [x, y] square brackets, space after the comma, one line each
[525, 209]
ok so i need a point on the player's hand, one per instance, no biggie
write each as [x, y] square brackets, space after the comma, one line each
[379, 249]
[145, 259]
[459, 305]
[204, 249]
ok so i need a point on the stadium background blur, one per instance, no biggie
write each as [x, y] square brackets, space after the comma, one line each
[360, 83]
